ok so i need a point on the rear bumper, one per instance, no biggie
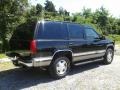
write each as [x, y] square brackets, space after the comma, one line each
[18, 52]
[36, 62]
[43, 61]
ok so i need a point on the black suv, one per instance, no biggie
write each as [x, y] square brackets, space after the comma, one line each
[58, 45]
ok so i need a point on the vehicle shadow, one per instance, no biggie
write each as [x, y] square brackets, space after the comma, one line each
[20, 78]
[85, 67]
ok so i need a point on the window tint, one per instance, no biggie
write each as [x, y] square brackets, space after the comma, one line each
[24, 31]
[52, 30]
[91, 34]
[76, 31]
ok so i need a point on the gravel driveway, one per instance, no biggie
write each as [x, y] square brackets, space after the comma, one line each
[94, 76]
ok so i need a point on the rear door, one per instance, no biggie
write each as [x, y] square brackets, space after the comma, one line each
[51, 36]
[77, 41]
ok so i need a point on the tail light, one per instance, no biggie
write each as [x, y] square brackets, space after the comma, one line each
[33, 47]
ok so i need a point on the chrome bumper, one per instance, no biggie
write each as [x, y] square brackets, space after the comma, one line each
[38, 62]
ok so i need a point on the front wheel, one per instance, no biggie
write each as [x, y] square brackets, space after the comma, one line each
[60, 67]
[108, 58]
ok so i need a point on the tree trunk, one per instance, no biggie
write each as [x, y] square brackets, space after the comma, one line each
[5, 46]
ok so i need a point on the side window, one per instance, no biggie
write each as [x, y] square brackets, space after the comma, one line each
[51, 30]
[76, 31]
[91, 34]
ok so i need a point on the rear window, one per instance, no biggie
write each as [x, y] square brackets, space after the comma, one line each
[51, 30]
[24, 31]
[76, 31]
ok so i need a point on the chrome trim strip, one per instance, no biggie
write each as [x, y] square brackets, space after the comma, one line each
[79, 58]
[42, 61]
[42, 58]
[110, 45]
[101, 51]
[26, 64]
[85, 53]
[61, 51]
[37, 62]
[90, 52]
[90, 61]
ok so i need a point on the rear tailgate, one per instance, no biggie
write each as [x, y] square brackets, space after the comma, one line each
[21, 38]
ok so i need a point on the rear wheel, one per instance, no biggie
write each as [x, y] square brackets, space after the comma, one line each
[60, 67]
[108, 58]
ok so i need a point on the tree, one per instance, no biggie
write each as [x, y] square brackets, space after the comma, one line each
[101, 16]
[33, 11]
[10, 16]
[86, 12]
[39, 9]
[80, 19]
[66, 12]
[61, 11]
[49, 6]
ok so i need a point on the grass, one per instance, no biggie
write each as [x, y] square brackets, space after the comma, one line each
[6, 66]
[2, 56]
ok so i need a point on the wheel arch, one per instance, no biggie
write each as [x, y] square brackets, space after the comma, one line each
[110, 46]
[66, 53]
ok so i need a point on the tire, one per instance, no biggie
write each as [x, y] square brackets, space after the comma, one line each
[15, 62]
[60, 67]
[108, 58]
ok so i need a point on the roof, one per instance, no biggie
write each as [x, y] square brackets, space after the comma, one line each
[84, 25]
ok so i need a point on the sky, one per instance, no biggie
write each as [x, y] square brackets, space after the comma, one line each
[113, 6]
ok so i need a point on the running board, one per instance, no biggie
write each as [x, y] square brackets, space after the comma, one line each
[89, 61]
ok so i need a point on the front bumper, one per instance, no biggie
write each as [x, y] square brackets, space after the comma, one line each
[36, 62]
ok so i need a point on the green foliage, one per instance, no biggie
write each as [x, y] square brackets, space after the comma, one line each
[86, 12]
[102, 19]
[10, 16]
[61, 11]
[114, 37]
[39, 9]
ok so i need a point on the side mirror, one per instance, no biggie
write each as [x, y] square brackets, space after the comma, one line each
[102, 37]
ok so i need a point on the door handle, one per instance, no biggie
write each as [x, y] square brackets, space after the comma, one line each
[71, 43]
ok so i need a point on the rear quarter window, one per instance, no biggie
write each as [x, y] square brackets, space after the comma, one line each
[51, 30]
[76, 31]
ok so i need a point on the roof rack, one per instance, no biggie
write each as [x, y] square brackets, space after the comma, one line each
[84, 25]
[56, 20]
